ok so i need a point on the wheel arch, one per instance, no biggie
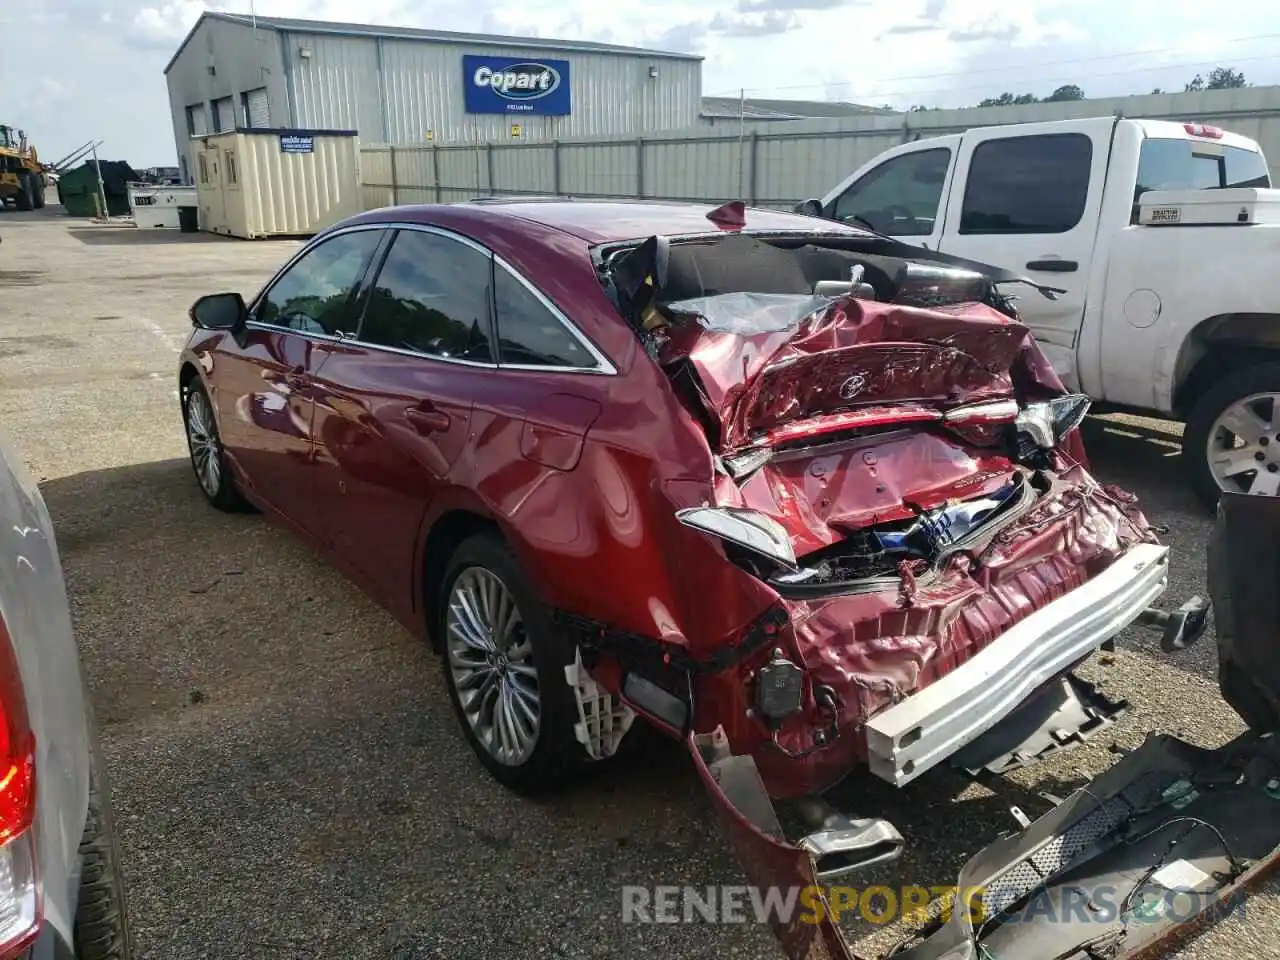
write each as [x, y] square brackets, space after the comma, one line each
[1218, 346]
[441, 536]
[186, 373]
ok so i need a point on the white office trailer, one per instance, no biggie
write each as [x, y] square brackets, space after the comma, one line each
[254, 183]
[400, 85]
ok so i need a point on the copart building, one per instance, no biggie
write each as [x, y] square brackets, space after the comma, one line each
[400, 85]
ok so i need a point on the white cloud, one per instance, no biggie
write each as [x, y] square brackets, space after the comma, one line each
[169, 21]
[900, 52]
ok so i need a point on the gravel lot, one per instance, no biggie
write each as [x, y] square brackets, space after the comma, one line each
[288, 777]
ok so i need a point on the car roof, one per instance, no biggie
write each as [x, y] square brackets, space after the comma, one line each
[611, 221]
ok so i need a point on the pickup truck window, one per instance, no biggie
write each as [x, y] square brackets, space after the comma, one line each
[1177, 164]
[900, 197]
[1036, 184]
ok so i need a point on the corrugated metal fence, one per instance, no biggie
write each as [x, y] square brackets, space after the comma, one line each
[775, 164]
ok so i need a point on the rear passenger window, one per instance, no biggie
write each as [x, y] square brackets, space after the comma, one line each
[529, 334]
[431, 296]
[1027, 184]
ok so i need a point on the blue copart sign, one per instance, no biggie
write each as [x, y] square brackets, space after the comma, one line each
[295, 144]
[516, 85]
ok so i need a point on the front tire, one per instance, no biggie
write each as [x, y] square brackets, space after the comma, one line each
[26, 199]
[208, 459]
[504, 667]
[37, 191]
[1232, 439]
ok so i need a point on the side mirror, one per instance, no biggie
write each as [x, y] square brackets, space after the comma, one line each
[809, 208]
[219, 311]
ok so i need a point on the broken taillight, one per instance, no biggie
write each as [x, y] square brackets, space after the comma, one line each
[19, 886]
[1044, 425]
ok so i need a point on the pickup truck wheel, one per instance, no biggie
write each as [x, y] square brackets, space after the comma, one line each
[1232, 439]
[504, 667]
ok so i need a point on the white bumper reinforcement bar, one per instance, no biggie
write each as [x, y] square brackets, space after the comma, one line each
[905, 740]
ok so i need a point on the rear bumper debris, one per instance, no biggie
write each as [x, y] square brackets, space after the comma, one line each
[905, 740]
[1167, 841]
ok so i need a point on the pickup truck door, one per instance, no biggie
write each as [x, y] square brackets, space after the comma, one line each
[1028, 198]
[901, 193]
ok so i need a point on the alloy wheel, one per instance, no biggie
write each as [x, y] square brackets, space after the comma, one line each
[1243, 448]
[202, 439]
[492, 667]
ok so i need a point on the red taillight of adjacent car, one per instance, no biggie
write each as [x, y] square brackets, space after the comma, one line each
[20, 905]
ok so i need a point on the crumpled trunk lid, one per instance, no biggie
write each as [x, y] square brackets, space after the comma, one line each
[763, 363]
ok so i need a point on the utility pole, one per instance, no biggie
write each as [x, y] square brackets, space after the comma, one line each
[102, 191]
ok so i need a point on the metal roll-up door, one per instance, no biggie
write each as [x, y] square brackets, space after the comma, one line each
[257, 111]
[224, 114]
[197, 121]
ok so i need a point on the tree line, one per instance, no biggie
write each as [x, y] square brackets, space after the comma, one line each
[1219, 78]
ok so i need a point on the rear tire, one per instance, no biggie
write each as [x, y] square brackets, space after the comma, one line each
[101, 927]
[1203, 426]
[555, 757]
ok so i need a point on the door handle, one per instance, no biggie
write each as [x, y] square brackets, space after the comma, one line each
[425, 418]
[1053, 266]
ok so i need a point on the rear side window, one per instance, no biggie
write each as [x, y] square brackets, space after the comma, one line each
[529, 334]
[1027, 184]
[432, 297]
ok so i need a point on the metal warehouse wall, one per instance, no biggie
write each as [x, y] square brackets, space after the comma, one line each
[769, 164]
[243, 59]
[397, 90]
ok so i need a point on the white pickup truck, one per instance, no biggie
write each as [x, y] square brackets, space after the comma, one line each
[1165, 237]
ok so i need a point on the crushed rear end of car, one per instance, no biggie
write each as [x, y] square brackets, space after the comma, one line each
[899, 484]
[1169, 840]
[898, 472]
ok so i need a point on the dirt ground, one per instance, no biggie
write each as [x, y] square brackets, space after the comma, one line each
[288, 777]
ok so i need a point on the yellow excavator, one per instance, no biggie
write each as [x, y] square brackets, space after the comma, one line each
[22, 179]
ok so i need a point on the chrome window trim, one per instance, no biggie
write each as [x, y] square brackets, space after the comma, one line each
[603, 367]
[381, 348]
[288, 264]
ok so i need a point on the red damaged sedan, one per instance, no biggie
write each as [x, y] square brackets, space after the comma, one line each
[801, 494]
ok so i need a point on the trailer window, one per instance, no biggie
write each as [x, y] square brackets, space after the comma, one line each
[1177, 164]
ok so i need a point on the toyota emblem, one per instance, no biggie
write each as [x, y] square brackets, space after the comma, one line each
[853, 386]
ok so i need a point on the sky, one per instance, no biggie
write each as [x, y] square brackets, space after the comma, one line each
[72, 70]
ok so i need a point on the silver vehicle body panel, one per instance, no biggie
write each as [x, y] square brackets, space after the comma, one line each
[33, 601]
